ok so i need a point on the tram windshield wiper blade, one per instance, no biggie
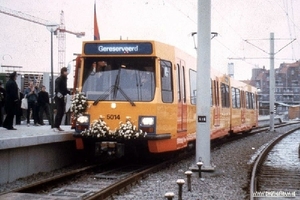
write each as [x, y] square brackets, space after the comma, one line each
[104, 95]
[125, 96]
[114, 88]
[117, 87]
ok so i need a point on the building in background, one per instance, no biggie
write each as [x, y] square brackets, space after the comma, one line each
[287, 87]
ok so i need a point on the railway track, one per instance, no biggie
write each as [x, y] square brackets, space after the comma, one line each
[276, 171]
[89, 183]
[100, 182]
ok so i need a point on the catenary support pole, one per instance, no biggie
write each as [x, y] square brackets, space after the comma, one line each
[272, 82]
[203, 84]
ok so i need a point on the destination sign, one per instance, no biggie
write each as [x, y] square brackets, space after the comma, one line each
[117, 48]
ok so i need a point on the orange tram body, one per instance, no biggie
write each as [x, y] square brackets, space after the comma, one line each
[153, 85]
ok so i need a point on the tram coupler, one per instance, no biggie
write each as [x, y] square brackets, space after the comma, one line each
[109, 148]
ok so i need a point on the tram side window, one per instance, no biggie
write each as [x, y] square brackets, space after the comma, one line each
[193, 86]
[250, 100]
[166, 81]
[238, 97]
[247, 100]
[178, 83]
[183, 84]
[242, 99]
[255, 102]
[235, 98]
[225, 95]
[217, 93]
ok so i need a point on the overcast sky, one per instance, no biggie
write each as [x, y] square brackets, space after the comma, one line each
[243, 28]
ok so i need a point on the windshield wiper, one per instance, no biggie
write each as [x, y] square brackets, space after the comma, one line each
[124, 95]
[115, 89]
[108, 92]
[104, 95]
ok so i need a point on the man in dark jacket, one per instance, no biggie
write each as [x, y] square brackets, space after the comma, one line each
[11, 101]
[61, 91]
[43, 101]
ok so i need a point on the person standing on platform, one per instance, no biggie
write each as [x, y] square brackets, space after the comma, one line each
[61, 91]
[31, 94]
[44, 106]
[11, 101]
[2, 103]
[19, 112]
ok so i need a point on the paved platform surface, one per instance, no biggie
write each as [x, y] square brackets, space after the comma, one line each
[33, 135]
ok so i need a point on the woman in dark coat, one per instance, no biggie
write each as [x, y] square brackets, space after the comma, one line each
[11, 101]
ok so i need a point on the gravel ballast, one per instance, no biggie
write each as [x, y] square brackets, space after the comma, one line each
[230, 179]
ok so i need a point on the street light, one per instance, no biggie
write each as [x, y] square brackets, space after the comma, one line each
[52, 27]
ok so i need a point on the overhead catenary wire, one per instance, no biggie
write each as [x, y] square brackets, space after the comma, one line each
[192, 7]
[290, 19]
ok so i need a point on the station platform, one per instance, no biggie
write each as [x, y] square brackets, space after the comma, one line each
[32, 149]
[32, 135]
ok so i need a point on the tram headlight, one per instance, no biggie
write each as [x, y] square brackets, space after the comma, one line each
[147, 124]
[82, 123]
[83, 119]
[147, 121]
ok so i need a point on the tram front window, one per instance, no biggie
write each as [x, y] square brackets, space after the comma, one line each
[119, 79]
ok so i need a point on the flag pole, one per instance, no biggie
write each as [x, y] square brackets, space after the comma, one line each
[96, 30]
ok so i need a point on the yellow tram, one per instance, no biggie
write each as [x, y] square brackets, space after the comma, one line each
[153, 85]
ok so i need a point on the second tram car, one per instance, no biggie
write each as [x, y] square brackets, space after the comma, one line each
[153, 85]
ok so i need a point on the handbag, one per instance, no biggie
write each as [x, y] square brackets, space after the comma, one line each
[24, 104]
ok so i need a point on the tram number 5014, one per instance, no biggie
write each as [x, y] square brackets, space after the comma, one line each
[112, 117]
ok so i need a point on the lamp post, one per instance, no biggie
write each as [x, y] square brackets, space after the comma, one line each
[52, 27]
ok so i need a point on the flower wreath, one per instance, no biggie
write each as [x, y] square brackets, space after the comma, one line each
[129, 131]
[79, 104]
[126, 130]
[98, 129]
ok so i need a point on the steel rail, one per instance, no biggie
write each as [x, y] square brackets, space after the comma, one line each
[37, 184]
[261, 158]
[116, 187]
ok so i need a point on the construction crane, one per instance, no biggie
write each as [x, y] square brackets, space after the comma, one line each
[60, 32]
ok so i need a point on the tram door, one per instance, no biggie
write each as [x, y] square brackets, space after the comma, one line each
[181, 91]
[243, 107]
